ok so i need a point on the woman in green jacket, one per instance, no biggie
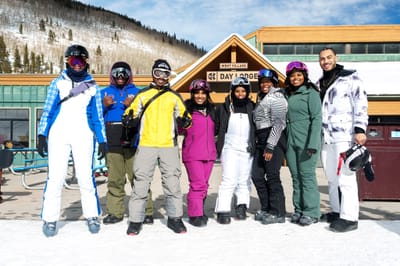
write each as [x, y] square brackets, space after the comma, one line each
[304, 141]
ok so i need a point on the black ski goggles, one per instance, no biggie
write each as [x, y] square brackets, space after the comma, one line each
[120, 72]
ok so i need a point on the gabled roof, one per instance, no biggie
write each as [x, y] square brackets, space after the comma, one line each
[232, 49]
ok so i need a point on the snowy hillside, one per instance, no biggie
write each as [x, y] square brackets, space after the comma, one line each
[107, 36]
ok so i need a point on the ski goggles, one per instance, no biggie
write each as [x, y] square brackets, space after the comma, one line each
[160, 73]
[265, 73]
[199, 84]
[296, 65]
[269, 74]
[120, 72]
[76, 60]
[240, 81]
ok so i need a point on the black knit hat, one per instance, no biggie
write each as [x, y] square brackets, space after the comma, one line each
[121, 64]
[161, 64]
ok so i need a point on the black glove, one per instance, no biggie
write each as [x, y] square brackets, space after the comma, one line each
[128, 120]
[310, 152]
[184, 121]
[369, 172]
[42, 146]
[101, 151]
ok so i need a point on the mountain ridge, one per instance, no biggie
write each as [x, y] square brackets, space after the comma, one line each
[47, 28]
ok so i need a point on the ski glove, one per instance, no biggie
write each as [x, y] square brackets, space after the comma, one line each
[369, 172]
[130, 122]
[42, 146]
[184, 121]
[310, 152]
[101, 151]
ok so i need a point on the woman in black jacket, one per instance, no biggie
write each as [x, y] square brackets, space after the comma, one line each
[235, 145]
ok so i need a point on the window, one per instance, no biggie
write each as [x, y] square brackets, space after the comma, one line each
[392, 48]
[358, 48]
[286, 49]
[303, 49]
[375, 48]
[39, 113]
[270, 49]
[14, 125]
[318, 47]
[339, 47]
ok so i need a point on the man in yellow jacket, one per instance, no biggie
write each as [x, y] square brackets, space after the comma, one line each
[157, 111]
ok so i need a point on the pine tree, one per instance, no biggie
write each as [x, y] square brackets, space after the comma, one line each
[5, 65]
[32, 65]
[70, 35]
[26, 59]
[61, 63]
[98, 51]
[52, 37]
[17, 61]
[38, 64]
[42, 25]
[20, 28]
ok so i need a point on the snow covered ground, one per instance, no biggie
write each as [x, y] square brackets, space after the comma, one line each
[240, 243]
[376, 242]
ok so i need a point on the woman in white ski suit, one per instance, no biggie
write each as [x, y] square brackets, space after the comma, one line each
[71, 123]
[235, 145]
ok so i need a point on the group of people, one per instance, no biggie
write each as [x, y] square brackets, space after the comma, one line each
[137, 130]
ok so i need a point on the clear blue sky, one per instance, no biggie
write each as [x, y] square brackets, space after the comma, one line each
[206, 23]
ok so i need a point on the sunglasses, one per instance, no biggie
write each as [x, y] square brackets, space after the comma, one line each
[199, 85]
[76, 60]
[159, 73]
[296, 65]
[240, 81]
[120, 72]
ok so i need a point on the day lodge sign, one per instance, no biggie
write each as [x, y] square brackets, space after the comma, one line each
[233, 57]
[228, 76]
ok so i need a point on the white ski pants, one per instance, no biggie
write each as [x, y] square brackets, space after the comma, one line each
[59, 147]
[347, 204]
[236, 179]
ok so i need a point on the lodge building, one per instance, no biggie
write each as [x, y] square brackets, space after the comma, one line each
[373, 50]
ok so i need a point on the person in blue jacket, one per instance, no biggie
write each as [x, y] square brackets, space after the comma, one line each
[72, 120]
[120, 142]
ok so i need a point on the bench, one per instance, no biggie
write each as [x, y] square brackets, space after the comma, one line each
[31, 164]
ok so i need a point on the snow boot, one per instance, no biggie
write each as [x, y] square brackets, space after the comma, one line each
[93, 225]
[273, 219]
[241, 212]
[134, 229]
[342, 225]
[176, 225]
[197, 221]
[224, 217]
[49, 229]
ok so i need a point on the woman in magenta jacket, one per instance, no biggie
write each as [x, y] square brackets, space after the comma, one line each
[198, 149]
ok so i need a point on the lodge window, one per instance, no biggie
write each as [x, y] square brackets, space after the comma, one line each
[14, 125]
[358, 48]
[392, 48]
[375, 48]
[340, 48]
[286, 49]
[303, 49]
[39, 113]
